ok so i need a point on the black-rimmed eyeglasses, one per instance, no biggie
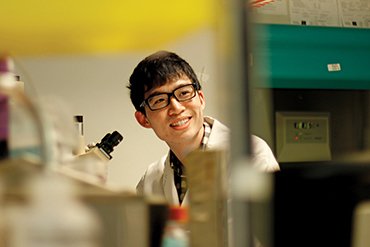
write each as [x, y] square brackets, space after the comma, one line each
[160, 101]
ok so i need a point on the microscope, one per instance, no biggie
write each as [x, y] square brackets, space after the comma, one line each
[93, 159]
[106, 146]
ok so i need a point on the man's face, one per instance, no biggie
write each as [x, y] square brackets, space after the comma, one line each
[179, 122]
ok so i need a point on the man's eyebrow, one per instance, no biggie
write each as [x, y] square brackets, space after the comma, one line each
[155, 93]
[159, 92]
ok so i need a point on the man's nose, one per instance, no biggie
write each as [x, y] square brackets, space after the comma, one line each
[175, 105]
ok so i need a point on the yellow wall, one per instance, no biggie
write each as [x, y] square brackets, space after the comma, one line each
[40, 27]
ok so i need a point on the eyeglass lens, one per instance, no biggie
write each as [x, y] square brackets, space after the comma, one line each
[159, 101]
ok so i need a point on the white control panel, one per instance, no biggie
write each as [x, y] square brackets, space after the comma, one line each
[302, 136]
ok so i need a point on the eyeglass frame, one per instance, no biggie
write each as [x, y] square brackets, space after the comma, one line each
[145, 101]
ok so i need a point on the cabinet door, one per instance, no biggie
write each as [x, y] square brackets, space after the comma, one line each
[313, 57]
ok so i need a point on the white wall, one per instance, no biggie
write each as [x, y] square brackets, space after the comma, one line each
[95, 87]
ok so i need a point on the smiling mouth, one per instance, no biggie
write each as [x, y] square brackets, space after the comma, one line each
[180, 122]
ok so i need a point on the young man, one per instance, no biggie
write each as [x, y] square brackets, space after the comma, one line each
[168, 98]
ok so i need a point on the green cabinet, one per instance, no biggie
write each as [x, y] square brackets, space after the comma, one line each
[299, 56]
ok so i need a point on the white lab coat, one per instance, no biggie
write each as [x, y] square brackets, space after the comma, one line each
[158, 180]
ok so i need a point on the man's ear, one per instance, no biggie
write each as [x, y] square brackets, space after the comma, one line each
[142, 120]
[202, 99]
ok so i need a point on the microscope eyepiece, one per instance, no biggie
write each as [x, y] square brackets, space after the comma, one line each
[109, 141]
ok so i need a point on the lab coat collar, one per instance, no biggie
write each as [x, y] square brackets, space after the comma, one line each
[219, 137]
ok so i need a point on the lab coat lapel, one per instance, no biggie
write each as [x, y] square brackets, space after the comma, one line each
[185, 202]
[170, 192]
[219, 137]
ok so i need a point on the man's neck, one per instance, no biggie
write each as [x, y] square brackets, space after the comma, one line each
[181, 150]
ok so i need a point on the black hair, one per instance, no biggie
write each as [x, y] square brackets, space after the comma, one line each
[156, 70]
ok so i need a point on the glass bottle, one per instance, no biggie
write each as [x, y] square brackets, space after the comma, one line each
[54, 216]
[20, 132]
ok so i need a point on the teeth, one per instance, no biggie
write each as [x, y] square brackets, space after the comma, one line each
[179, 123]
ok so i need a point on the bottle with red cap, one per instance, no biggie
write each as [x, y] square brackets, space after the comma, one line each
[176, 233]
